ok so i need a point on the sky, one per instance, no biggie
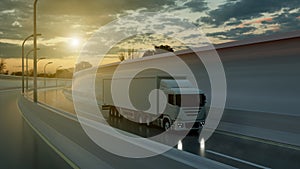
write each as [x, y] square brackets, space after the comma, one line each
[67, 25]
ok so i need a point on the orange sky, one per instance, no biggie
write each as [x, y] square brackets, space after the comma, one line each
[13, 65]
[257, 21]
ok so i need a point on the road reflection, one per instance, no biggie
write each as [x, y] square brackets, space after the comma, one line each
[56, 98]
[20, 146]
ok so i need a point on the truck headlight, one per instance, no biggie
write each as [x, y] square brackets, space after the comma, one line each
[180, 125]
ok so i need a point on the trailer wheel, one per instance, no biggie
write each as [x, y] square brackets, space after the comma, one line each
[167, 124]
[140, 119]
[120, 112]
[148, 121]
[119, 115]
[110, 113]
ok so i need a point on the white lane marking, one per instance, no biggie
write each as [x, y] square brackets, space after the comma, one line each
[251, 138]
[237, 159]
[256, 111]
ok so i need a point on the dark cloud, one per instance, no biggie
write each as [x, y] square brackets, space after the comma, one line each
[193, 5]
[97, 7]
[287, 21]
[59, 50]
[15, 19]
[232, 23]
[59, 18]
[9, 4]
[197, 5]
[234, 34]
[207, 20]
[232, 12]
[9, 50]
[246, 9]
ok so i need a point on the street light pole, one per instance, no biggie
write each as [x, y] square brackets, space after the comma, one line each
[27, 67]
[45, 72]
[39, 59]
[35, 54]
[23, 61]
[23, 51]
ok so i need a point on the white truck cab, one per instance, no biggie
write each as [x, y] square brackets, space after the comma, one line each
[185, 109]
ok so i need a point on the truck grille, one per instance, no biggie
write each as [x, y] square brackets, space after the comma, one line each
[191, 111]
[192, 125]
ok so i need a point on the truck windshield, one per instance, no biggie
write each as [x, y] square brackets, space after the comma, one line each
[190, 100]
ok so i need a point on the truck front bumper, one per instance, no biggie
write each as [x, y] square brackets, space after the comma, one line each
[181, 126]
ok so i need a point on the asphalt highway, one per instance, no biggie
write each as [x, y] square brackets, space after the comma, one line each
[20, 146]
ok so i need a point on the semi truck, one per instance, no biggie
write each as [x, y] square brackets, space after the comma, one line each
[177, 104]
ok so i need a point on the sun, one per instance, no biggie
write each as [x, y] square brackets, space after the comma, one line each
[75, 42]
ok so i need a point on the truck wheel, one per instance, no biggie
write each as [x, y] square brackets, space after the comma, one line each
[167, 124]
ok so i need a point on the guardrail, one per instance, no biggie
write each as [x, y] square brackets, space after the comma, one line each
[42, 82]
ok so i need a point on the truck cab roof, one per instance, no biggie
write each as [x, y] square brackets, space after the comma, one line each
[181, 86]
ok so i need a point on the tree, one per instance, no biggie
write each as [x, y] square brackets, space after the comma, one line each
[130, 54]
[158, 50]
[30, 72]
[121, 56]
[163, 49]
[2, 66]
[82, 65]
